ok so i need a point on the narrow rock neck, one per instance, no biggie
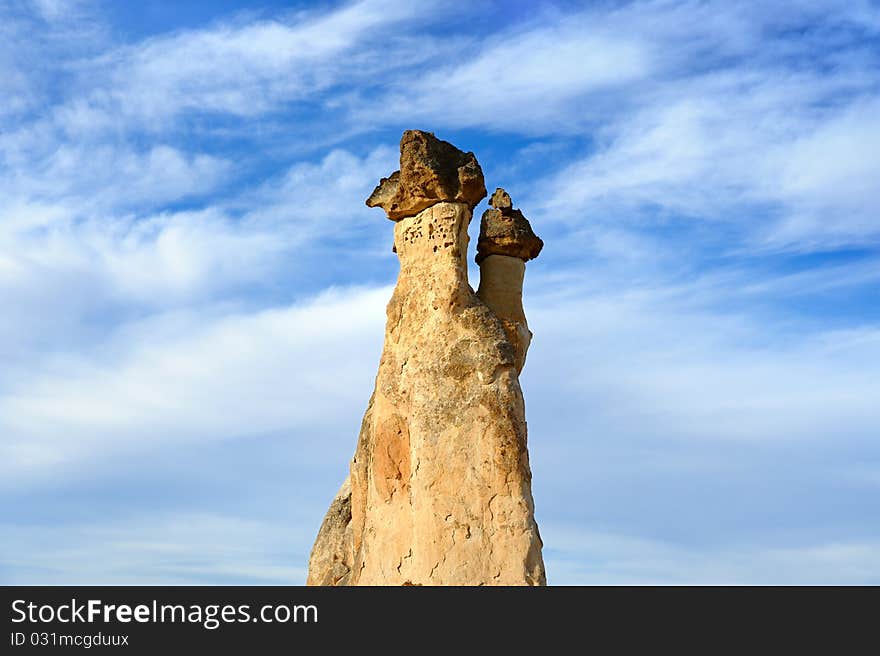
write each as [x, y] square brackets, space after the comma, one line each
[501, 284]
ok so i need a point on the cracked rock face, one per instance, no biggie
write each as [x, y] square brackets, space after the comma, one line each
[431, 171]
[439, 489]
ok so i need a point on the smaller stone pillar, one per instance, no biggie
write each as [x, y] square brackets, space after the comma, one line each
[506, 242]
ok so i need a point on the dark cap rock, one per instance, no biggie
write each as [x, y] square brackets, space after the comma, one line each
[505, 231]
[431, 171]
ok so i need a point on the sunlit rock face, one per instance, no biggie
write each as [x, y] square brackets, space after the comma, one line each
[439, 489]
[430, 171]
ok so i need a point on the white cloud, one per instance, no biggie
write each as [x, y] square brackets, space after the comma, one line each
[707, 111]
[737, 149]
[53, 10]
[191, 377]
[326, 197]
[828, 178]
[535, 80]
[85, 250]
[156, 549]
[105, 177]
[172, 258]
[658, 363]
[237, 68]
[580, 557]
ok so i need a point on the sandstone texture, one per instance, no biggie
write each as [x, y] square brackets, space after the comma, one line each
[501, 282]
[439, 489]
[330, 562]
[506, 242]
[431, 171]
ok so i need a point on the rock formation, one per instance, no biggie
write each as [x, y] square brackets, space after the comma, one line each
[506, 242]
[431, 171]
[439, 489]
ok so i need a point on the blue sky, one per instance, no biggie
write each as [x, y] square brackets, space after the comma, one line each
[193, 291]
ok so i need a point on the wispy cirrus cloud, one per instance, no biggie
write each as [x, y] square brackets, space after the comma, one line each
[102, 178]
[787, 176]
[158, 548]
[241, 67]
[536, 80]
[193, 288]
[191, 377]
[684, 111]
[598, 558]
[86, 259]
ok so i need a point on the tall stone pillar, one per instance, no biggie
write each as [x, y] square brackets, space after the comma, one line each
[439, 489]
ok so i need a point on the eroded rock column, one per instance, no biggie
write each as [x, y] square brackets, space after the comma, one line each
[439, 491]
[506, 242]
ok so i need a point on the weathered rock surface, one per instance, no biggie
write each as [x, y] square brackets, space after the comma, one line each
[505, 231]
[330, 560]
[506, 242]
[439, 491]
[431, 171]
[501, 282]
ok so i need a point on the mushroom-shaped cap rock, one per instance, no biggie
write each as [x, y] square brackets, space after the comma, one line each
[505, 231]
[431, 171]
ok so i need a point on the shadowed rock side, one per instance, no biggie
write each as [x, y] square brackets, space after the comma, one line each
[330, 561]
[439, 491]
